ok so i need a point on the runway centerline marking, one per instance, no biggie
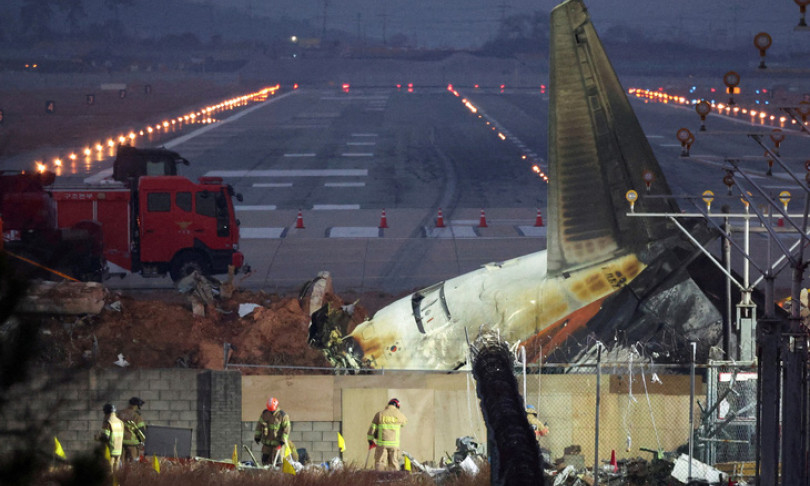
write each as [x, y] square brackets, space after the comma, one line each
[273, 184]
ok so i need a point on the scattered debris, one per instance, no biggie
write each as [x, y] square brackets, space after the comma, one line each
[121, 361]
[247, 308]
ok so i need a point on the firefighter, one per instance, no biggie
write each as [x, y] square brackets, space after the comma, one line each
[134, 429]
[540, 429]
[272, 431]
[384, 434]
[112, 435]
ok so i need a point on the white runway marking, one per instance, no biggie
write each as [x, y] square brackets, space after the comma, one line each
[361, 143]
[533, 231]
[451, 232]
[357, 154]
[273, 184]
[289, 173]
[307, 154]
[269, 207]
[262, 233]
[364, 134]
[344, 184]
[339, 207]
[354, 232]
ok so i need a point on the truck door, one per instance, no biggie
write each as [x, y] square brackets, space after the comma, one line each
[166, 224]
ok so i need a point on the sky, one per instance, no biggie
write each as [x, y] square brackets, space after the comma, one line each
[466, 23]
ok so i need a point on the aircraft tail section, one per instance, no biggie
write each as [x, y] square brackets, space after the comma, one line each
[597, 152]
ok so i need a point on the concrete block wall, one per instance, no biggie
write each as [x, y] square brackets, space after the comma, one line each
[318, 438]
[70, 408]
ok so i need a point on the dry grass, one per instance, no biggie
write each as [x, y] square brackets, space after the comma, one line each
[203, 474]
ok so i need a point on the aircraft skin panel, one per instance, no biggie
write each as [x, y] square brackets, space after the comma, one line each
[513, 298]
[597, 152]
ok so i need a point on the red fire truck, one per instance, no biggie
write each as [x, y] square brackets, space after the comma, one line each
[158, 225]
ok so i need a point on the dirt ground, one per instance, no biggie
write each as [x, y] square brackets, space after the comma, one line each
[156, 329]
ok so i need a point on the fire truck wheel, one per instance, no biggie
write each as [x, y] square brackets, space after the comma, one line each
[185, 263]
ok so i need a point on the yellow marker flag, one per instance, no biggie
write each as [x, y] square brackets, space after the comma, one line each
[407, 464]
[286, 450]
[287, 467]
[57, 448]
[235, 456]
[156, 464]
[341, 443]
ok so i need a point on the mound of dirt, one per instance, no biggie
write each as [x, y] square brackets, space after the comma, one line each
[158, 330]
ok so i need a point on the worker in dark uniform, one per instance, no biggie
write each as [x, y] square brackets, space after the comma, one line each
[384, 434]
[272, 431]
[134, 429]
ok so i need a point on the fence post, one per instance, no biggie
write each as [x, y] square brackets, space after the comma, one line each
[691, 409]
[598, 399]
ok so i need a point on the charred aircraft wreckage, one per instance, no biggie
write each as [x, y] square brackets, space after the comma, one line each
[605, 276]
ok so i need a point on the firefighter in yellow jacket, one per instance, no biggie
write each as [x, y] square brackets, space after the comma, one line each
[112, 435]
[540, 429]
[134, 429]
[384, 434]
[272, 431]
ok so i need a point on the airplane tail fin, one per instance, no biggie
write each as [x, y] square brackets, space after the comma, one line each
[597, 152]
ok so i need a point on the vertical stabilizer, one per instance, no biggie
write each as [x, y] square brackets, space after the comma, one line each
[597, 152]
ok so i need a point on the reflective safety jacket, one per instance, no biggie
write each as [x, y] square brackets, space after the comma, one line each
[134, 426]
[273, 428]
[112, 433]
[384, 429]
[540, 429]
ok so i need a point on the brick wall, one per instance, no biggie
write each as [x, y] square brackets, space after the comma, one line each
[208, 402]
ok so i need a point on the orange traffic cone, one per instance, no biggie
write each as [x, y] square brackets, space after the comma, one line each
[482, 223]
[539, 220]
[440, 219]
[613, 464]
[299, 221]
[383, 220]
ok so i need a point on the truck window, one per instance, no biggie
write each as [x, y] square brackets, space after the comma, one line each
[206, 206]
[214, 204]
[155, 167]
[159, 202]
[183, 200]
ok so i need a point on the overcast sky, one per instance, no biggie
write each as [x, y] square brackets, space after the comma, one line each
[465, 23]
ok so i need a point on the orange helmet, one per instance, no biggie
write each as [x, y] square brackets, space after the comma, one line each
[272, 404]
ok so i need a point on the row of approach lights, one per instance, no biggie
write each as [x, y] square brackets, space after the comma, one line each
[708, 196]
[687, 138]
[491, 124]
[201, 116]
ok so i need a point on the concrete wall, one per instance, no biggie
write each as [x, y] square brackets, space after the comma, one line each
[221, 409]
[208, 402]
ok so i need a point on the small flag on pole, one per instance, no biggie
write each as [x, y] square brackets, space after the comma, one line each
[341, 443]
[235, 456]
[57, 448]
[156, 464]
[287, 467]
[407, 464]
